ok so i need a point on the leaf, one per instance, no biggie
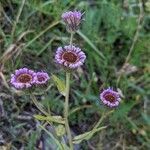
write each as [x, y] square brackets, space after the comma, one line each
[86, 136]
[60, 85]
[52, 141]
[57, 119]
[91, 44]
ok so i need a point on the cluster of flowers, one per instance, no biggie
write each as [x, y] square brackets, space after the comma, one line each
[69, 57]
[25, 78]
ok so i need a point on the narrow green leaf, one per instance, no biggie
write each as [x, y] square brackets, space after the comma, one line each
[60, 85]
[57, 119]
[60, 147]
[86, 136]
[91, 44]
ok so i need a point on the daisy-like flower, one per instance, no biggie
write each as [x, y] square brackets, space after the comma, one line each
[70, 57]
[110, 97]
[72, 20]
[41, 78]
[23, 78]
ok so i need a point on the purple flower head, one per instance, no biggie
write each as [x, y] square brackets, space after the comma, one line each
[41, 78]
[70, 57]
[72, 20]
[110, 97]
[23, 78]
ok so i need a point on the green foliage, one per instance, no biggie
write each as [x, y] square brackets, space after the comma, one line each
[123, 111]
[129, 26]
[141, 50]
[86, 136]
[32, 140]
[56, 119]
[60, 85]
[106, 35]
[45, 7]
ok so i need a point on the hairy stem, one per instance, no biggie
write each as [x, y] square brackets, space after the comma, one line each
[104, 115]
[66, 105]
[71, 38]
[66, 109]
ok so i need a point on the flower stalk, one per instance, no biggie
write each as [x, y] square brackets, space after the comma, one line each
[66, 106]
[71, 38]
[66, 109]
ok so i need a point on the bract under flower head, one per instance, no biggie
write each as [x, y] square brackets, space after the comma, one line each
[41, 78]
[110, 97]
[72, 20]
[23, 78]
[70, 56]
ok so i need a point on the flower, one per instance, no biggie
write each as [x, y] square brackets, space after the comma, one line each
[110, 97]
[72, 20]
[23, 78]
[70, 56]
[41, 77]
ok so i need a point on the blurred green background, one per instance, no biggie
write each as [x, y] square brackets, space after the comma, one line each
[31, 31]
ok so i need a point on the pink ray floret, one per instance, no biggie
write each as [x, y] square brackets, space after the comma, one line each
[110, 97]
[70, 56]
[23, 78]
[41, 78]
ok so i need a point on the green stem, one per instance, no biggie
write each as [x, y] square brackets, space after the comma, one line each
[71, 38]
[66, 110]
[104, 115]
[66, 105]
[99, 122]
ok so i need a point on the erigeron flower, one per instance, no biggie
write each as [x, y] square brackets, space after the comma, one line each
[110, 97]
[41, 78]
[23, 78]
[72, 20]
[70, 57]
